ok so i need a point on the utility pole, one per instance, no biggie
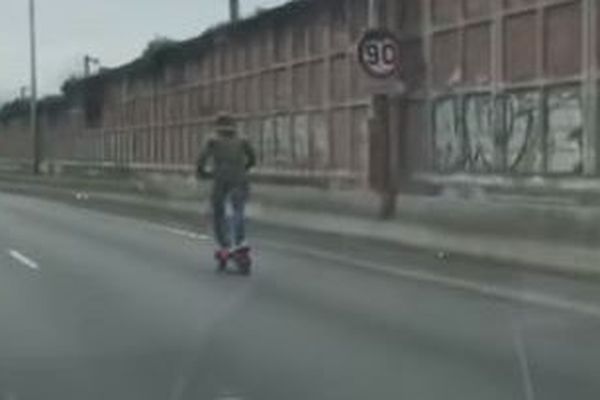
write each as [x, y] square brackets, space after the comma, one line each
[234, 10]
[35, 133]
[23, 93]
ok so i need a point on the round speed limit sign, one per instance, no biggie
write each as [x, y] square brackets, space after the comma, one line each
[379, 53]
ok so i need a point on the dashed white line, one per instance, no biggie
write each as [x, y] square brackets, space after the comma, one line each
[187, 234]
[24, 260]
[524, 365]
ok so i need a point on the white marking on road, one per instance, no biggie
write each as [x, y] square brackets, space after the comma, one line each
[228, 395]
[482, 289]
[24, 260]
[187, 234]
[523, 359]
[82, 196]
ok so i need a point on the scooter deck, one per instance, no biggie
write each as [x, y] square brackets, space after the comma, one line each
[241, 258]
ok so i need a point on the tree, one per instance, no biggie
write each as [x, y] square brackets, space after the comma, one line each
[156, 45]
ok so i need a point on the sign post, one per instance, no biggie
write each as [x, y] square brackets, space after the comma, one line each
[33, 109]
[379, 54]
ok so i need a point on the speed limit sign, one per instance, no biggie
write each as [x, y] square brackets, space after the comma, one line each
[379, 53]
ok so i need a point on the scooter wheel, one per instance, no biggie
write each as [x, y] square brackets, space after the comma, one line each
[245, 268]
[244, 264]
[221, 266]
[221, 260]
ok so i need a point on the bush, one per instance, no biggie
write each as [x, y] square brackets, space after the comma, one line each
[12, 109]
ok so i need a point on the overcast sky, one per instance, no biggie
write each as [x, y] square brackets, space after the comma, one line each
[116, 31]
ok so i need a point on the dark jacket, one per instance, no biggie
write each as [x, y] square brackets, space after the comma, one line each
[231, 158]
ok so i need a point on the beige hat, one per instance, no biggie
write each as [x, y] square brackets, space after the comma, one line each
[225, 122]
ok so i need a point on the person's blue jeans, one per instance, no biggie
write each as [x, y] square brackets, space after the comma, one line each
[229, 231]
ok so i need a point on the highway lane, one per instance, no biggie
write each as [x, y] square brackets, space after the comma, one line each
[98, 306]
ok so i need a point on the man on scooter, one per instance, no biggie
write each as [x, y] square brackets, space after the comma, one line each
[231, 158]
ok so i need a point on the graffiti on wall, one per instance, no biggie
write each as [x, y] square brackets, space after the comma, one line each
[520, 138]
[254, 135]
[283, 153]
[269, 142]
[321, 141]
[479, 133]
[301, 141]
[449, 141]
[464, 134]
[508, 135]
[565, 131]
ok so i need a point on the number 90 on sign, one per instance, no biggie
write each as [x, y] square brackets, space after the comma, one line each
[378, 53]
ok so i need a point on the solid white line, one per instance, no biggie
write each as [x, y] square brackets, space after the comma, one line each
[24, 260]
[482, 289]
[486, 290]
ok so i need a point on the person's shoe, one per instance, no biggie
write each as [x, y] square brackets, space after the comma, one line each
[222, 256]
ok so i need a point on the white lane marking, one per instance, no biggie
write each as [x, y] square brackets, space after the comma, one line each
[82, 196]
[482, 289]
[524, 364]
[228, 395]
[187, 234]
[23, 259]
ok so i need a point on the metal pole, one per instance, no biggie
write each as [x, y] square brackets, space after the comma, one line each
[383, 112]
[88, 61]
[86, 66]
[234, 10]
[35, 134]
[373, 20]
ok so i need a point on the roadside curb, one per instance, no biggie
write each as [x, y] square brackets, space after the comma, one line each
[564, 259]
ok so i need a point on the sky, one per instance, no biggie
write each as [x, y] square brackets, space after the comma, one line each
[115, 31]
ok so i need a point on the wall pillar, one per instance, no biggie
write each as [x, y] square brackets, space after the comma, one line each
[591, 144]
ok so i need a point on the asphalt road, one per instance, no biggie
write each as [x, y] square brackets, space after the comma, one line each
[100, 306]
